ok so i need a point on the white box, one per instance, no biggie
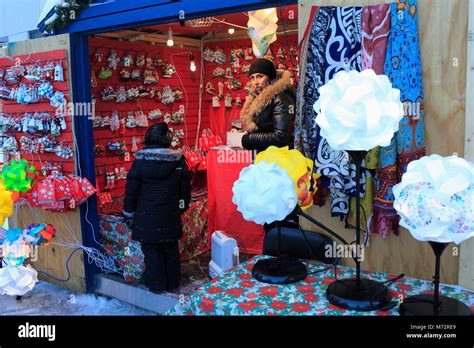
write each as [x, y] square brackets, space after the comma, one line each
[234, 139]
[224, 253]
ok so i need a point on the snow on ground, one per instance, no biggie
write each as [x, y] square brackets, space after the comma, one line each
[49, 299]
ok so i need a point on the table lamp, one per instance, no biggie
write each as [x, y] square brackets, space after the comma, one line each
[358, 111]
[268, 191]
[435, 201]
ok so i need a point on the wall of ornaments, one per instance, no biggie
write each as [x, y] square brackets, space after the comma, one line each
[136, 85]
[34, 122]
[226, 65]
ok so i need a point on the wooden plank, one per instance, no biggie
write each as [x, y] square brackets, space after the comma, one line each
[466, 259]
[137, 295]
[52, 259]
[443, 38]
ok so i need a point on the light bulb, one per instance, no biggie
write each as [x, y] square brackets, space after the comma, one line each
[170, 37]
[231, 31]
[192, 64]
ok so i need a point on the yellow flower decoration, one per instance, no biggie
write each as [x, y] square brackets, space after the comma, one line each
[298, 167]
[6, 203]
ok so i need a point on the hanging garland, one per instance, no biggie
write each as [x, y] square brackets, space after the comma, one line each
[64, 13]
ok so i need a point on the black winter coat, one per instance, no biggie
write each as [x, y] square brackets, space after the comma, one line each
[269, 117]
[158, 191]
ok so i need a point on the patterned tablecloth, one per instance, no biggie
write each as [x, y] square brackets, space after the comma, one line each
[237, 293]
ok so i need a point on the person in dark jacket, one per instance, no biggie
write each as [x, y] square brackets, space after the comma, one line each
[157, 192]
[269, 111]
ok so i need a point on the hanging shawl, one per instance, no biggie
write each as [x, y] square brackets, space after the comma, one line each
[375, 31]
[312, 77]
[342, 52]
[403, 67]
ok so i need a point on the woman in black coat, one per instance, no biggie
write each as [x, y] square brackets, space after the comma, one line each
[157, 192]
[269, 111]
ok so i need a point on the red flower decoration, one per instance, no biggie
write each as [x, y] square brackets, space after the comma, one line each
[214, 290]
[269, 291]
[236, 292]
[249, 266]
[327, 281]
[252, 295]
[305, 288]
[247, 284]
[311, 297]
[278, 305]
[136, 259]
[207, 305]
[383, 313]
[311, 280]
[247, 306]
[301, 307]
[245, 276]
[404, 287]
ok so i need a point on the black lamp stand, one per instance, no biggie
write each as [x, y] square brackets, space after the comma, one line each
[434, 305]
[279, 270]
[358, 293]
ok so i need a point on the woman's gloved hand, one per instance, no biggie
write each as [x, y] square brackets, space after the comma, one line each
[128, 218]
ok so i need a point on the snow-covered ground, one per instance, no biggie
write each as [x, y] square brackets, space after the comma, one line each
[50, 299]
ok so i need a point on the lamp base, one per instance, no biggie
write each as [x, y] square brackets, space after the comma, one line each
[371, 295]
[279, 271]
[422, 305]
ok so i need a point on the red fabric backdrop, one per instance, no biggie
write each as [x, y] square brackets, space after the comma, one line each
[223, 170]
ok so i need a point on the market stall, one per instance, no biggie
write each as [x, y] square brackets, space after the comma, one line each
[198, 88]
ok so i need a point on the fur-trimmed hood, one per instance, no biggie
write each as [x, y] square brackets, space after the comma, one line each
[255, 105]
[158, 154]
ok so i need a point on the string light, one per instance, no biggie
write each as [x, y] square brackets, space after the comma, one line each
[231, 31]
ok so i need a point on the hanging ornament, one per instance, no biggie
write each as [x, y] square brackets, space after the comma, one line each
[262, 29]
[19, 175]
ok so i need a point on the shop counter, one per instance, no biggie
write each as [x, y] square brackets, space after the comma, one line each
[237, 293]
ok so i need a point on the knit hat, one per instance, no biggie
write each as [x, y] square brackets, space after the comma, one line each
[263, 66]
[159, 134]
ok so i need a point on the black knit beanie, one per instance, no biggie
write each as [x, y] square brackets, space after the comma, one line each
[159, 134]
[263, 66]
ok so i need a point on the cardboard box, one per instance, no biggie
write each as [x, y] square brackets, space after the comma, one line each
[234, 139]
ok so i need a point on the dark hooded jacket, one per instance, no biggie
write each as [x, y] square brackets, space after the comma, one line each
[269, 117]
[158, 190]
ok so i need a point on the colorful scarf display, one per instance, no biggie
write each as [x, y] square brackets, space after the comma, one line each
[342, 52]
[403, 67]
[375, 31]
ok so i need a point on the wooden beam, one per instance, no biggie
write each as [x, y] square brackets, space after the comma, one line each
[241, 34]
[151, 38]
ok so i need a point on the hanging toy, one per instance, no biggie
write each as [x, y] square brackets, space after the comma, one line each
[216, 102]
[114, 121]
[134, 146]
[167, 96]
[238, 101]
[220, 86]
[228, 101]
[113, 60]
[19, 175]
[59, 72]
[210, 88]
[39, 234]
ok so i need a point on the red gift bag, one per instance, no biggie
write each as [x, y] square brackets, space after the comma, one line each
[202, 161]
[192, 159]
[46, 192]
[204, 141]
[87, 188]
[63, 189]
